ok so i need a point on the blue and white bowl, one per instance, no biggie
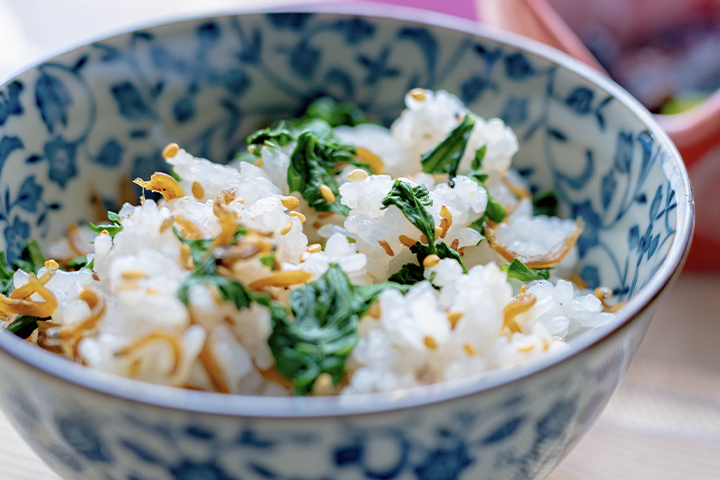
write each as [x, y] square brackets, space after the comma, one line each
[85, 120]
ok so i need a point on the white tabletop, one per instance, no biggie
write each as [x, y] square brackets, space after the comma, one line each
[662, 424]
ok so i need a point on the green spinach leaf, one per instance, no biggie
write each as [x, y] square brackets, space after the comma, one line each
[23, 326]
[311, 167]
[442, 250]
[412, 202]
[409, 274]
[446, 156]
[494, 212]
[320, 129]
[6, 276]
[31, 259]
[412, 273]
[269, 261]
[277, 136]
[335, 113]
[112, 229]
[231, 290]
[198, 247]
[316, 157]
[324, 329]
[517, 269]
[545, 204]
[204, 273]
[476, 172]
[77, 263]
[204, 263]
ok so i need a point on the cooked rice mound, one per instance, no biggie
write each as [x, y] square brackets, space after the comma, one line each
[126, 315]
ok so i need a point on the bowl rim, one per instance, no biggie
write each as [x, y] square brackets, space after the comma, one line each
[162, 396]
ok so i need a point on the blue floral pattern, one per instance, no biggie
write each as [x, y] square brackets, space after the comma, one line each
[514, 433]
[89, 119]
[10, 101]
[163, 85]
[16, 234]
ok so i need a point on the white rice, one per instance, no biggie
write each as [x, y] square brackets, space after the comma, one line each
[410, 342]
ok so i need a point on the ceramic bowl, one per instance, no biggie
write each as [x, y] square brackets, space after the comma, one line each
[86, 120]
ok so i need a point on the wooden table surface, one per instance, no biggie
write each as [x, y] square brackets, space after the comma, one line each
[662, 424]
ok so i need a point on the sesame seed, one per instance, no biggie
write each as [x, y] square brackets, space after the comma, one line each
[304, 256]
[454, 316]
[470, 349]
[430, 342]
[314, 248]
[299, 216]
[197, 190]
[438, 232]
[170, 150]
[133, 274]
[431, 260]
[290, 202]
[50, 264]
[418, 94]
[358, 175]
[288, 226]
[323, 385]
[526, 348]
[327, 194]
[455, 244]
[445, 213]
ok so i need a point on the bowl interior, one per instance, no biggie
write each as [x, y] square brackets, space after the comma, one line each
[84, 123]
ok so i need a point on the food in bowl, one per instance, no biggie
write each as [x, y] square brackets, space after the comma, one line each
[334, 256]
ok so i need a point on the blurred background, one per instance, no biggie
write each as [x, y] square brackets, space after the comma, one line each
[664, 421]
[663, 52]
